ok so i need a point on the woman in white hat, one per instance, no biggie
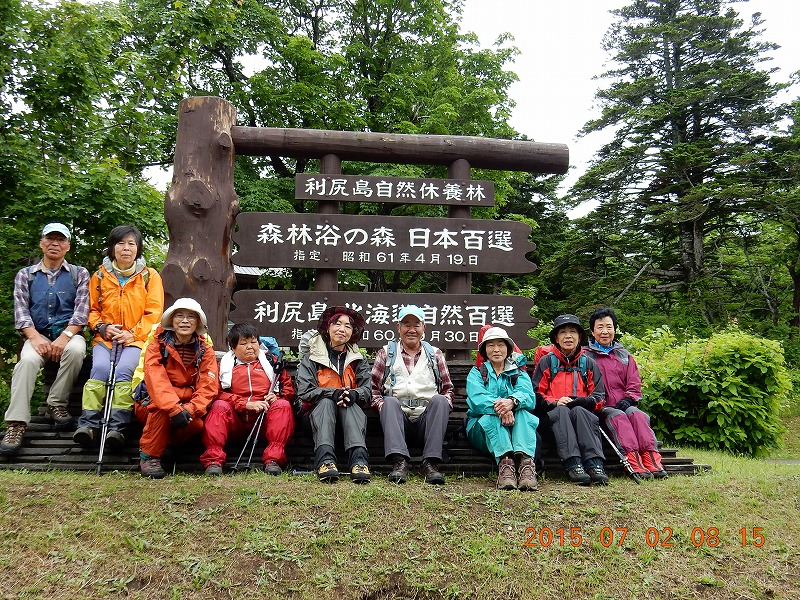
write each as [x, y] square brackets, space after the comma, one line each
[500, 419]
[181, 376]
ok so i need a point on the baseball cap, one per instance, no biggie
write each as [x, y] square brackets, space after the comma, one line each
[56, 228]
[411, 309]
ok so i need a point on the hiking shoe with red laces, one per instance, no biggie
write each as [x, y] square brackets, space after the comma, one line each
[652, 462]
[527, 475]
[12, 441]
[635, 461]
[62, 420]
[506, 475]
[151, 467]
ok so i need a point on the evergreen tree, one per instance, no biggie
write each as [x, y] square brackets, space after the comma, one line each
[688, 103]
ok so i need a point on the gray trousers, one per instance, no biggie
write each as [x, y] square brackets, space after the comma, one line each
[23, 380]
[428, 430]
[577, 433]
[323, 424]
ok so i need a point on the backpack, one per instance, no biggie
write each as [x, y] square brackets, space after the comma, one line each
[391, 354]
[546, 353]
[270, 346]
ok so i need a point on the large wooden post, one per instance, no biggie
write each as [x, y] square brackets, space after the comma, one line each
[200, 209]
[458, 282]
[328, 279]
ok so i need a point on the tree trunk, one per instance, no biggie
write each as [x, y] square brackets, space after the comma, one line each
[200, 209]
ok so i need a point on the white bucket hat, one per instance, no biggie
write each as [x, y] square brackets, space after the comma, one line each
[185, 304]
[495, 333]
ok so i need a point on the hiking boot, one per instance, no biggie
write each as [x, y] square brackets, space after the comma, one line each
[214, 470]
[115, 441]
[597, 474]
[272, 468]
[62, 420]
[527, 475]
[12, 441]
[430, 472]
[399, 472]
[635, 461]
[328, 473]
[652, 462]
[359, 474]
[506, 475]
[577, 475]
[84, 436]
[151, 467]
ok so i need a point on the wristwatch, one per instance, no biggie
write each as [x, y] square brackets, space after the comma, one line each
[69, 334]
[515, 401]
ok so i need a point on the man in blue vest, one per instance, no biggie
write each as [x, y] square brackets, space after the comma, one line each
[412, 390]
[51, 308]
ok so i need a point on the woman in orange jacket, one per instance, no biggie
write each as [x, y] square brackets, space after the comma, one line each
[181, 377]
[126, 300]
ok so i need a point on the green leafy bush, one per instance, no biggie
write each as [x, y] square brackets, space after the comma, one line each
[720, 393]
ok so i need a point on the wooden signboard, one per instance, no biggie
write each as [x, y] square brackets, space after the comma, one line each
[452, 321]
[322, 241]
[398, 190]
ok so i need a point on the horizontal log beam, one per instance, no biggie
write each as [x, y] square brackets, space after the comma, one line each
[482, 153]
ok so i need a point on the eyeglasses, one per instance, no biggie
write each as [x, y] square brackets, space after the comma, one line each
[179, 316]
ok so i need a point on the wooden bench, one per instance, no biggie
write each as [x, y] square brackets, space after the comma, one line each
[45, 449]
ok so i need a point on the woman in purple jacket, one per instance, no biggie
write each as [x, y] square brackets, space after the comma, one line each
[629, 427]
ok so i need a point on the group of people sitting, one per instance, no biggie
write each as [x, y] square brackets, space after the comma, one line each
[160, 366]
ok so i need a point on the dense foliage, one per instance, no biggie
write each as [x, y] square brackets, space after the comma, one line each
[721, 393]
[696, 222]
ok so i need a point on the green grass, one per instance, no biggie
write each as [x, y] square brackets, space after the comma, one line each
[72, 535]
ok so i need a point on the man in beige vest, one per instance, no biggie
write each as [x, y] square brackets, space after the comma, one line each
[412, 390]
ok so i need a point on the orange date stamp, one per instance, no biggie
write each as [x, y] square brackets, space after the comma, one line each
[709, 537]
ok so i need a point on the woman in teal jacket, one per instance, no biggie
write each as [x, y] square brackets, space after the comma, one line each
[500, 419]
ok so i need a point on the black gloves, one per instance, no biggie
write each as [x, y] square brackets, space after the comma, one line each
[623, 404]
[337, 397]
[181, 420]
[583, 401]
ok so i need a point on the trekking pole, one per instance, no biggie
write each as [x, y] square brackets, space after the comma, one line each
[634, 475]
[107, 406]
[256, 427]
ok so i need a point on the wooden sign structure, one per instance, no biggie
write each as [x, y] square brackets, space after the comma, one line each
[451, 320]
[201, 206]
[382, 243]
